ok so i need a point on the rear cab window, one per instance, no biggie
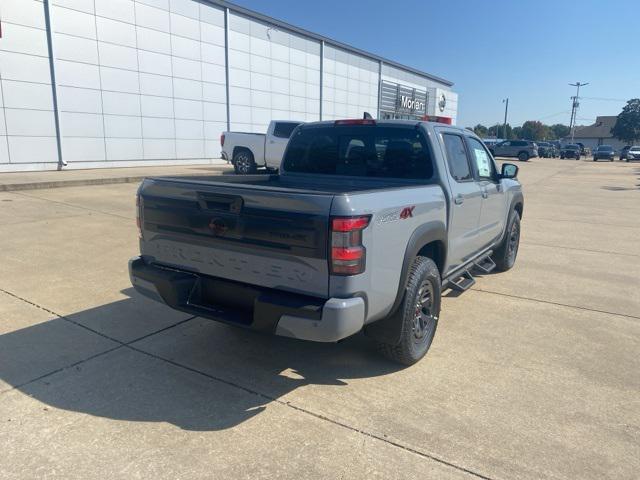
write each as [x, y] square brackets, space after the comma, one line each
[399, 152]
[457, 157]
[284, 129]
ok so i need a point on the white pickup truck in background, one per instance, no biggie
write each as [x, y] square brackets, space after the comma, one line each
[248, 151]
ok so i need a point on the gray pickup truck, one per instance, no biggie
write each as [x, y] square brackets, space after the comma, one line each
[366, 224]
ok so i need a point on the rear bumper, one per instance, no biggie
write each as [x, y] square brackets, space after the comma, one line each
[257, 308]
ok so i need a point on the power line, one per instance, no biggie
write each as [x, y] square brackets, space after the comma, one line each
[564, 112]
[603, 99]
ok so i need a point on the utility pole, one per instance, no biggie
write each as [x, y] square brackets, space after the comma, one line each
[506, 109]
[575, 103]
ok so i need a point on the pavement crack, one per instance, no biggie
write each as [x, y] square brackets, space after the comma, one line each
[71, 205]
[119, 343]
[319, 416]
[549, 302]
[580, 249]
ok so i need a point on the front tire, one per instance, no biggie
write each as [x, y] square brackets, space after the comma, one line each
[243, 163]
[505, 255]
[523, 156]
[418, 314]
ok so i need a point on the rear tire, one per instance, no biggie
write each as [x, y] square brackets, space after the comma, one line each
[505, 255]
[418, 314]
[243, 163]
[523, 156]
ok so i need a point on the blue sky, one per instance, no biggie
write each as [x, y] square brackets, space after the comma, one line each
[525, 50]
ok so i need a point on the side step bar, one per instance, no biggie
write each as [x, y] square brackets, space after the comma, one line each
[462, 283]
[485, 264]
[464, 280]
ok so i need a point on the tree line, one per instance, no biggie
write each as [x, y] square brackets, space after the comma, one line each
[626, 128]
[530, 130]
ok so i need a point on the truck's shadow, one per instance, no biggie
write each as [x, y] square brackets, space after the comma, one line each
[198, 375]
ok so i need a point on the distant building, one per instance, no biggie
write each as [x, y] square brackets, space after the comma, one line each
[597, 134]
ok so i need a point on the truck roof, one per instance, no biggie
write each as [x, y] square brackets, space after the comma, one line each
[384, 122]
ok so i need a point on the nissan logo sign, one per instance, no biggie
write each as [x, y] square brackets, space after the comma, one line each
[442, 102]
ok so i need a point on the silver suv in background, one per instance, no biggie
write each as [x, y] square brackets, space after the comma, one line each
[523, 150]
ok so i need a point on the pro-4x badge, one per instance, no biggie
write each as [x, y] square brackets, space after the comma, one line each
[407, 212]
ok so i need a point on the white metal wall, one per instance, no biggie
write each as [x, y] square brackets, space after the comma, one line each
[27, 126]
[350, 85]
[139, 81]
[273, 74]
[142, 82]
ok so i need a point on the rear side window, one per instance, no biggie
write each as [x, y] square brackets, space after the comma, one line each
[360, 151]
[457, 157]
[519, 144]
[284, 129]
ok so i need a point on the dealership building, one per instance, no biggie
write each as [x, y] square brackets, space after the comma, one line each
[112, 83]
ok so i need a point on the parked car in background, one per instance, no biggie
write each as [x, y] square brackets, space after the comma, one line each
[633, 153]
[583, 150]
[623, 152]
[546, 150]
[523, 150]
[570, 150]
[365, 225]
[490, 142]
[248, 151]
[605, 152]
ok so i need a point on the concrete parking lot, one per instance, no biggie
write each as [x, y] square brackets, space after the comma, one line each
[534, 373]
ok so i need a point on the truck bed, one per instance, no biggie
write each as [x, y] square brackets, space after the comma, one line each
[310, 184]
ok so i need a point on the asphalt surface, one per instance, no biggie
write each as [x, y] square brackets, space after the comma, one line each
[533, 374]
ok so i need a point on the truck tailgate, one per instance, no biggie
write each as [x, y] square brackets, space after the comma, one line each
[238, 232]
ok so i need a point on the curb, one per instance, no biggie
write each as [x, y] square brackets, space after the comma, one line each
[14, 187]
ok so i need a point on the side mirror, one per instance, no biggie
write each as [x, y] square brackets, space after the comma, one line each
[509, 170]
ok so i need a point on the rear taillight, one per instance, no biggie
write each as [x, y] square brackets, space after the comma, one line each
[222, 140]
[139, 206]
[348, 256]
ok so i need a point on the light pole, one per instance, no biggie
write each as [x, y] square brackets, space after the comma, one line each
[574, 107]
[506, 109]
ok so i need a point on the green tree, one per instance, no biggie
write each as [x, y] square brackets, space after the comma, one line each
[498, 131]
[534, 130]
[517, 132]
[559, 131]
[480, 130]
[627, 127]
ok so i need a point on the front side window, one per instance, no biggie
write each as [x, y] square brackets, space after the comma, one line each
[284, 129]
[457, 157]
[481, 158]
[360, 151]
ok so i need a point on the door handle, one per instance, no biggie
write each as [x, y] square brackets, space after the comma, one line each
[458, 200]
[272, 141]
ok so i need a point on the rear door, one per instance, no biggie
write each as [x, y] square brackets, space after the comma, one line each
[492, 213]
[503, 149]
[277, 142]
[265, 237]
[466, 202]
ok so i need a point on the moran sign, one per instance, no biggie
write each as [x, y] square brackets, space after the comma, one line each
[411, 103]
